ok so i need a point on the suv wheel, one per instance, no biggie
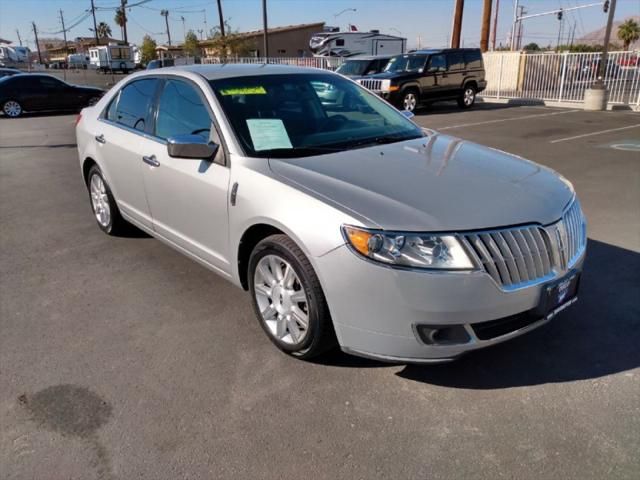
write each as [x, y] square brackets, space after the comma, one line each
[468, 97]
[288, 299]
[410, 100]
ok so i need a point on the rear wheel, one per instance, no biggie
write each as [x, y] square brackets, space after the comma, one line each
[12, 108]
[288, 299]
[468, 97]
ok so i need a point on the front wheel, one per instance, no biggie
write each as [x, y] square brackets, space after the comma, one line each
[468, 97]
[104, 204]
[410, 100]
[288, 299]
[12, 108]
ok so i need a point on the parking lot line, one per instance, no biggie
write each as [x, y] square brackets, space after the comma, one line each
[558, 140]
[524, 117]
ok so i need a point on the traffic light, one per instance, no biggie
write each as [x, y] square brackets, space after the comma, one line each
[560, 14]
[605, 6]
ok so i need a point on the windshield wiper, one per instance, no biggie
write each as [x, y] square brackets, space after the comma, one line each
[380, 140]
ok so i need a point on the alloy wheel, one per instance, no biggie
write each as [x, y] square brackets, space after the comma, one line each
[469, 96]
[281, 299]
[12, 109]
[100, 200]
[410, 101]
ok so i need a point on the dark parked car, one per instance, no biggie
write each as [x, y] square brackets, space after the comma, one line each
[365, 65]
[427, 76]
[7, 72]
[167, 62]
[35, 92]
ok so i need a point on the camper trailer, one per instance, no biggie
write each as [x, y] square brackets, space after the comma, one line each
[347, 44]
[111, 58]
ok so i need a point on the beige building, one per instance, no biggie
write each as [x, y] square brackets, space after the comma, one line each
[288, 41]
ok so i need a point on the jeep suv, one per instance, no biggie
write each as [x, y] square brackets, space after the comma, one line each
[427, 76]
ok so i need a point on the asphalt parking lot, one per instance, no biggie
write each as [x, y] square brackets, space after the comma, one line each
[122, 359]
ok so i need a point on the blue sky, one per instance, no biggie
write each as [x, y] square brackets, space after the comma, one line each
[427, 21]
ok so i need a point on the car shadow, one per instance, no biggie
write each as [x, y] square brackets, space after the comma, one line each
[599, 336]
[53, 113]
[452, 107]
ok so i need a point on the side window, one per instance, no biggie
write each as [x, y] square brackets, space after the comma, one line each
[133, 103]
[456, 61]
[473, 58]
[415, 63]
[340, 42]
[111, 113]
[438, 63]
[181, 111]
[50, 83]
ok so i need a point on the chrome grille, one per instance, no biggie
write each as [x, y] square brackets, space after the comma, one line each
[373, 84]
[520, 256]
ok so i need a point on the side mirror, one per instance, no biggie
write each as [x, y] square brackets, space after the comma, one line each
[191, 146]
[407, 114]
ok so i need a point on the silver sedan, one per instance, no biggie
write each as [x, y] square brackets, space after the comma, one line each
[348, 224]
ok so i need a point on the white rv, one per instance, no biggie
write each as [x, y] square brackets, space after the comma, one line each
[111, 58]
[347, 44]
[14, 53]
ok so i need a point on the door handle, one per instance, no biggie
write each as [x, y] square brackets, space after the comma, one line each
[100, 139]
[151, 160]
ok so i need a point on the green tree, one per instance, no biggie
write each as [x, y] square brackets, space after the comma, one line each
[120, 20]
[233, 43]
[532, 47]
[629, 32]
[104, 30]
[148, 49]
[191, 47]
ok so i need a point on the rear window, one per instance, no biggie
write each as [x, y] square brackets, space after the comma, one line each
[473, 58]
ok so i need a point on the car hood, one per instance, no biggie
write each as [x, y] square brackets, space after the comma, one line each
[435, 183]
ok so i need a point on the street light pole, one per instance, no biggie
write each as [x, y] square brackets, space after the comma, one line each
[165, 14]
[605, 50]
[95, 27]
[513, 26]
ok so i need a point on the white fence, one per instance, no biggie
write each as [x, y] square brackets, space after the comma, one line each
[561, 77]
[327, 63]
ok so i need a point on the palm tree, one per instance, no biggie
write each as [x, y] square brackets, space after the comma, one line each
[104, 30]
[120, 20]
[629, 32]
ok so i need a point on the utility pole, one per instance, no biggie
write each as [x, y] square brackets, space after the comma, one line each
[95, 26]
[457, 24]
[264, 26]
[221, 17]
[607, 38]
[184, 29]
[495, 26]
[486, 25]
[165, 14]
[35, 33]
[123, 3]
[513, 26]
[19, 38]
[521, 12]
[64, 31]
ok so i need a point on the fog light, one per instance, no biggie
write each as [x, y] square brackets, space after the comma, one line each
[443, 334]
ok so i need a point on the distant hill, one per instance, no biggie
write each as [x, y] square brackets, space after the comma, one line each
[597, 36]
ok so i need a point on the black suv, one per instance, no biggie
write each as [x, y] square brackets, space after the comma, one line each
[427, 76]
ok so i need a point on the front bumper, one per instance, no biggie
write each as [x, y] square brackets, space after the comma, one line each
[378, 311]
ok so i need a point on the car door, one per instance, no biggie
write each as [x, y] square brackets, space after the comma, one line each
[434, 80]
[58, 93]
[188, 197]
[32, 95]
[123, 140]
[455, 74]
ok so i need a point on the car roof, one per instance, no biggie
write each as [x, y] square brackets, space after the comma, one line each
[369, 57]
[230, 70]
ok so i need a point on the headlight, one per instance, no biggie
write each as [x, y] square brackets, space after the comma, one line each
[414, 250]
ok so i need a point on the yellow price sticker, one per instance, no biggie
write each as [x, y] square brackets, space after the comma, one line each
[244, 91]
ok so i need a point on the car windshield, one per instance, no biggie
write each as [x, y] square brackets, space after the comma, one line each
[354, 67]
[284, 116]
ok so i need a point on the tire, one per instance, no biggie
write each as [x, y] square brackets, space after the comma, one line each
[289, 334]
[468, 97]
[12, 109]
[410, 100]
[112, 222]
